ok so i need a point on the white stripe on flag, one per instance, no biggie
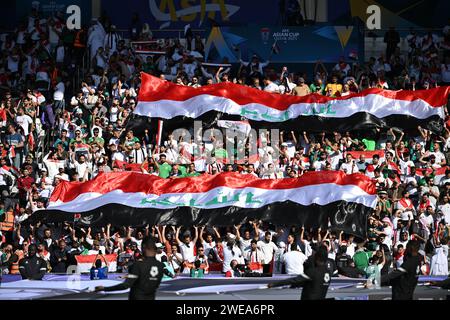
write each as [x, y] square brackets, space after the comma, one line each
[374, 104]
[84, 262]
[321, 194]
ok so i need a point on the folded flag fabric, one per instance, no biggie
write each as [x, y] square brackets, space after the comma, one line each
[84, 262]
[125, 166]
[439, 173]
[130, 198]
[368, 155]
[235, 126]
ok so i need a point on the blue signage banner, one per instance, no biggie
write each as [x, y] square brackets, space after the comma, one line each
[175, 14]
[399, 13]
[284, 44]
[49, 8]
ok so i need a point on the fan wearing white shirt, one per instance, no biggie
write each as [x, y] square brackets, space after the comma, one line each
[61, 175]
[293, 260]
[97, 242]
[268, 172]
[268, 248]
[60, 89]
[82, 167]
[405, 164]
[24, 121]
[139, 154]
[116, 154]
[34, 205]
[187, 246]
[440, 157]
[349, 166]
[348, 243]
[23, 215]
[404, 238]
[160, 251]
[255, 257]
[250, 170]
[342, 67]
[266, 151]
[171, 154]
[270, 86]
[96, 247]
[208, 243]
[443, 180]
[231, 252]
[176, 259]
[306, 242]
[320, 163]
[334, 155]
[244, 241]
[445, 208]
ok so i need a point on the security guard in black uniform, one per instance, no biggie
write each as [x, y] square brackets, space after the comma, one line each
[404, 279]
[33, 267]
[315, 280]
[144, 276]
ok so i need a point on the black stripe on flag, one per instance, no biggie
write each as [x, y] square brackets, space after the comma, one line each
[358, 121]
[344, 216]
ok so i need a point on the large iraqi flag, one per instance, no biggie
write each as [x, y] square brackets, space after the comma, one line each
[372, 108]
[130, 198]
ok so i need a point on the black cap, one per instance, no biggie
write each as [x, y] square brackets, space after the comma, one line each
[321, 254]
[148, 243]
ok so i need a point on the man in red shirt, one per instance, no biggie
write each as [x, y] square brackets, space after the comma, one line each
[24, 184]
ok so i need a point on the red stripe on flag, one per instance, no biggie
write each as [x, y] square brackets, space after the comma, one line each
[133, 182]
[136, 167]
[91, 258]
[438, 172]
[155, 89]
[367, 154]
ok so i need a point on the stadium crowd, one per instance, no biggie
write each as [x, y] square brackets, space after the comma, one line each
[53, 129]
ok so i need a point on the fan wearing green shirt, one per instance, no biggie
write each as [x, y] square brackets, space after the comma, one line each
[370, 144]
[164, 168]
[221, 154]
[63, 139]
[2, 213]
[78, 137]
[317, 87]
[191, 172]
[362, 257]
[197, 271]
[148, 66]
[175, 172]
[96, 138]
[182, 169]
[130, 140]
